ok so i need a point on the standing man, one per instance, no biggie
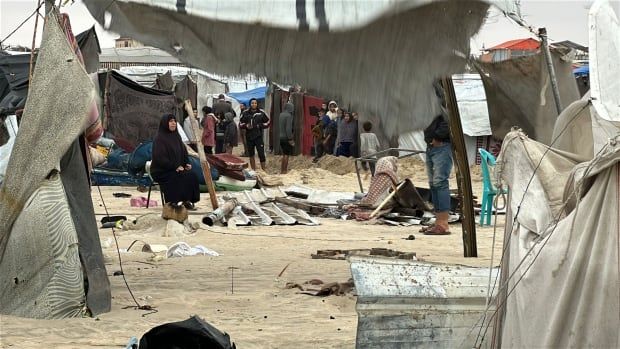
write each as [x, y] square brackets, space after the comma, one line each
[220, 108]
[287, 143]
[242, 131]
[438, 167]
[254, 121]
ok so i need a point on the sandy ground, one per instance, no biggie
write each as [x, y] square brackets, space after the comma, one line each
[257, 311]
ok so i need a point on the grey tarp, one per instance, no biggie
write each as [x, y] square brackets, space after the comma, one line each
[40, 142]
[90, 49]
[133, 111]
[76, 183]
[363, 45]
[13, 82]
[519, 94]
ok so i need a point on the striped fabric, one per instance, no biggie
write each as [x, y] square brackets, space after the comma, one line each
[42, 259]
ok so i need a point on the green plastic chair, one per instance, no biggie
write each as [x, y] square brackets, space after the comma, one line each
[489, 190]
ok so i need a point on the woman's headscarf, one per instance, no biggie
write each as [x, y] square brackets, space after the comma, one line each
[169, 152]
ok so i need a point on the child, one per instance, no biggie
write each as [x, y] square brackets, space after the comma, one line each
[231, 138]
[369, 145]
[317, 134]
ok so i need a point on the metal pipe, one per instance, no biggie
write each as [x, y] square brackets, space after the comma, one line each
[221, 212]
[542, 33]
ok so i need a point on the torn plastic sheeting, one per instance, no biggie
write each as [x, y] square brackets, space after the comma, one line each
[322, 197]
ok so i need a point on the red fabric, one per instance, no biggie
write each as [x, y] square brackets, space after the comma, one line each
[519, 44]
[311, 107]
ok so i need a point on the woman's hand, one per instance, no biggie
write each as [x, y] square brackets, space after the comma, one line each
[180, 168]
[188, 167]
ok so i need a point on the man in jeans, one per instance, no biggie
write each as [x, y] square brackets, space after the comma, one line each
[438, 167]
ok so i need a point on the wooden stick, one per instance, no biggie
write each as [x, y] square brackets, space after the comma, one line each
[204, 164]
[385, 201]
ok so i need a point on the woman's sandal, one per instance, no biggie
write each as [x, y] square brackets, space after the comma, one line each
[437, 230]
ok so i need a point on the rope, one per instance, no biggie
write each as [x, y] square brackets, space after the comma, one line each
[22, 23]
[151, 309]
[34, 39]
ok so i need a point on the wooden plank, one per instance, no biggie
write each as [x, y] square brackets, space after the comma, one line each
[206, 170]
[463, 176]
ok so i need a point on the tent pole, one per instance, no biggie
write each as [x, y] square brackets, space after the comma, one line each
[542, 33]
[463, 177]
[204, 164]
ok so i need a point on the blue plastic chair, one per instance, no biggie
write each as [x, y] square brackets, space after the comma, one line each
[489, 190]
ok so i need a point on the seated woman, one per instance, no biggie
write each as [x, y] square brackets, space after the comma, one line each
[170, 165]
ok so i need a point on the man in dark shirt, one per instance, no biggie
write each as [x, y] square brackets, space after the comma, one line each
[220, 108]
[254, 121]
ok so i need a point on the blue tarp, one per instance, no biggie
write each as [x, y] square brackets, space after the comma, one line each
[583, 70]
[245, 96]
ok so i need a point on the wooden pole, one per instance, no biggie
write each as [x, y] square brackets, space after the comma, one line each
[542, 33]
[463, 177]
[204, 164]
[385, 201]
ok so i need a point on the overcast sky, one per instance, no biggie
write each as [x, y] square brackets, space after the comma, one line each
[564, 20]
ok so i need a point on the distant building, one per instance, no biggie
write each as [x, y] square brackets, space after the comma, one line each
[115, 58]
[511, 49]
[127, 42]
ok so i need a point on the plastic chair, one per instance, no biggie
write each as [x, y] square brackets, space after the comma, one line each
[147, 167]
[489, 190]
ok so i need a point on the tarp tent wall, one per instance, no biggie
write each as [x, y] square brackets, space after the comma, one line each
[133, 112]
[48, 235]
[276, 35]
[207, 84]
[519, 93]
[560, 271]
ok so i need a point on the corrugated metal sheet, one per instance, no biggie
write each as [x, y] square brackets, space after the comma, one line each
[411, 304]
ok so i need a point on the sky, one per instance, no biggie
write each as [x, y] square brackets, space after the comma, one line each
[564, 20]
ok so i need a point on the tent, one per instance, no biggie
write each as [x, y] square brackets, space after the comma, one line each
[132, 111]
[281, 45]
[244, 97]
[51, 263]
[560, 271]
[583, 70]
[14, 70]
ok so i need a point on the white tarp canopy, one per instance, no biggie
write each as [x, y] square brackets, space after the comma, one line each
[364, 45]
[605, 72]
[472, 103]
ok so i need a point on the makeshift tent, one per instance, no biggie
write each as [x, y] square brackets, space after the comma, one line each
[583, 70]
[245, 96]
[207, 84]
[51, 264]
[90, 49]
[519, 93]
[133, 112]
[14, 70]
[560, 272]
[281, 44]
[472, 104]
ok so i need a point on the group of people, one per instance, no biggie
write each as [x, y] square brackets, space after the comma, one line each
[220, 133]
[335, 133]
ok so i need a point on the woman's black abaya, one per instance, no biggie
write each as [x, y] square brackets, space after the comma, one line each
[169, 153]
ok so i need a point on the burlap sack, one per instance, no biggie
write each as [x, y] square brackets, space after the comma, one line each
[172, 211]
